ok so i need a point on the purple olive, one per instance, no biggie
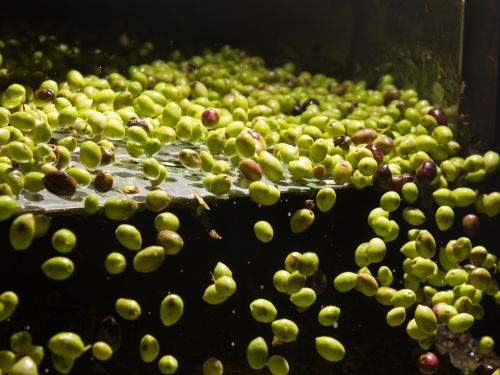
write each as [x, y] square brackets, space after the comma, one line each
[209, 117]
[297, 110]
[382, 178]
[385, 143]
[391, 95]
[426, 172]
[484, 369]
[309, 102]
[439, 115]
[342, 141]
[59, 183]
[428, 363]
[378, 155]
[470, 225]
[398, 181]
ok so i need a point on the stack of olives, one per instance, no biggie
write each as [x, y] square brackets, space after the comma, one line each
[237, 120]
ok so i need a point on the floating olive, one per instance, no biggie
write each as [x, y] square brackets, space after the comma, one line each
[58, 268]
[119, 207]
[171, 309]
[301, 220]
[149, 348]
[67, 344]
[263, 311]
[101, 351]
[168, 364]
[212, 297]
[8, 302]
[257, 353]
[149, 259]
[115, 263]
[278, 365]
[171, 241]
[127, 308]
[345, 281]
[212, 366]
[263, 231]
[328, 315]
[285, 330]
[157, 200]
[329, 348]
[128, 236]
[63, 241]
[263, 194]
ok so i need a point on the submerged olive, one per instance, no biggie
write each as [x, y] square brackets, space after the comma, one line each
[168, 364]
[67, 344]
[128, 236]
[127, 308]
[149, 348]
[149, 259]
[257, 353]
[171, 309]
[263, 231]
[101, 351]
[58, 268]
[329, 348]
[63, 240]
[213, 366]
[22, 231]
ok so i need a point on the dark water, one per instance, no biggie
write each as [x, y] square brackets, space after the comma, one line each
[83, 301]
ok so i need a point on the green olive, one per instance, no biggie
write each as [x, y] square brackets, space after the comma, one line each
[149, 348]
[128, 236]
[263, 231]
[212, 366]
[8, 206]
[151, 168]
[149, 259]
[304, 298]
[325, 199]
[460, 322]
[345, 281]
[61, 364]
[414, 331]
[221, 270]
[24, 366]
[329, 348]
[127, 308]
[21, 341]
[280, 280]
[265, 195]
[285, 330]
[278, 365]
[115, 263]
[212, 297]
[166, 221]
[7, 360]
[384, 295]
[63, 240]
[119, 207]
[171, 309]
[396, 316]
[384, 276]
[58, 268]
[413, 216]
[263, 311]
[157, 200]
[8, 302]
[328, 315]
[168, 364]
[90, 154]
[409, 191]
[271, 166]
[171, 241]
[82, 177]
[257, 353]
[301, 220]
[485, 345]
[101, 351]
[425, 244]
[67, 344]
[404, 298]
[425, 319]
[367, 284]
[444, 217]
[225, 286]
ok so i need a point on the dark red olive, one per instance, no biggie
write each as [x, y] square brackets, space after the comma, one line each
[385, 143]
[382, 178]
[103, 181]
[428, 363]
[342, 141]
[45, 94]
[378, 155]
[137, 121]
[209, 117]
[471, 224]
[59, 183]
[309, 204]
[339, 89]
[484, 369]
[391, 95]
[426, 172]
[108, 156]
[439, 115]
[317, 282]
[399, 180]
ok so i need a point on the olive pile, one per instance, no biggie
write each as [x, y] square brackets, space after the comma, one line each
[234, 118]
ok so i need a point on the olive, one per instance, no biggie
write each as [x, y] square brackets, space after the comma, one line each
[149, 259]
[166, 221]
[285, 330]
[212, 297]
[257, 352]
[225, 286]
[263, 311]
[59, 183]
[149, 348]
[168, 364]
[428, 363]
[91, 203]
[221, 270]
[61, 364]
[58, 268]
[115, 263]
[212, 366]
[329, 348]
[22, 231]
[250, 169]
[328, 315]
[278, 365]
[171, 241]
[24, 366]
[301, 220]
[127, 308]
[103, 181]
[8, 302]
[171, 309]
[263, 194]
[63, 241]
[119, 207]
[101, 351]
[128, 236]
[157, 200]
[67, 344]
